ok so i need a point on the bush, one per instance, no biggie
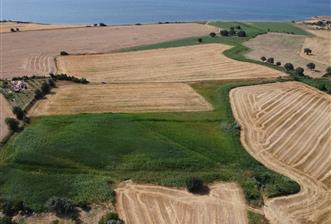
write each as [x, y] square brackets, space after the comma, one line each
[270, 60]
[299, 71]
[12, 208]
[61, 206]
[232, 32]
[212, 34]
[111, 218]
[263, 59]
[102, 24]
[224, 33]
[241, 33]
[238, 27]
[45, 88]
[194, 184]
[13, 30]
[307, 51]
[19, 113]
[278, 63]
[38, 94]
[64, 53]
[200, 40]
[311, 66]
[12, 123]
[289, 67]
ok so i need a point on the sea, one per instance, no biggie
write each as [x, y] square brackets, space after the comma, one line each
[153, 11]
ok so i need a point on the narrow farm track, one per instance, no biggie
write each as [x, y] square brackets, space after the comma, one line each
[287, 126]
[138, 204]
[180, 64]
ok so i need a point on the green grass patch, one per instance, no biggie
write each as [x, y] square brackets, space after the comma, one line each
[78, 156]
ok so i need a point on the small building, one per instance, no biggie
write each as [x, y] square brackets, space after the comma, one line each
[18, 85]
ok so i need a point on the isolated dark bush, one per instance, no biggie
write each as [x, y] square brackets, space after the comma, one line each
[18, 112]
[270, 60]
[299, 71]
[311, 66]
[64, 53]
[61, 206]
[102, 24]
[263, 59]
[212, 34]
[224, 33]
[12, 208]
[12, 123]
[17, 30]
[307, 51]
[278, 63]
[200, 40]
[111, 218]
[289, 67]
[194, 184]
[12, 30]
[238, 27]
[241, 33]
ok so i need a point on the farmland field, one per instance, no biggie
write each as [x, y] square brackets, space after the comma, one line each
[37, 57]
[181, 64]
[146, 204]
[287, 126]
[100, 98]
[6, 26]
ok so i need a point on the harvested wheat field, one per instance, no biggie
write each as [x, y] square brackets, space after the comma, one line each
[287, 127]
[288, 48]
[5, 111]
[5, 27]
[181, 64]
[30, 53]
[138, 204]
[73, 99]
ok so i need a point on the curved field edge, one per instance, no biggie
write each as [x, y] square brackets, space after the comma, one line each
[67, 155]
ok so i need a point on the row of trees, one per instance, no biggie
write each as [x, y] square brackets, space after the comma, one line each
[234, 31]
[65, 77]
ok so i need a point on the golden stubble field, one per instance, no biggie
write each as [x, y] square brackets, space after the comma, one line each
[137, 204]
[287, 127]
[180, 64]
[5, 27]
[33, 52]
[133, 98]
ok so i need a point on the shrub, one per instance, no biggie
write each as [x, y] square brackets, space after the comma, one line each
[61, 206]
[200, 40]
[12, 30]
[111, 218]
[38, 94]
[278, 63]
[238, 27]
[45, 88]
[64, 53]
[232, 33]
[11, 208]
[12, 123]
[51, 83]
[194, 184]
[18, 112]
[263, 59]
[212, 34]
[311, 66]
[289, 67]
[307, 51]
[102, 24]
[224, 33]
[270, 60]
[299, 71]
[241, 33]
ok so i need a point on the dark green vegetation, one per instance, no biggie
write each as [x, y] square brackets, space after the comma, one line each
[78, 157]
[254, 218]
[111, 218]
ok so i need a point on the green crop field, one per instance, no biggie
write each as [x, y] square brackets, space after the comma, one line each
[82, 156]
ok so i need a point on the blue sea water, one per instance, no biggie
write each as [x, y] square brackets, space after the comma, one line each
[145, 11]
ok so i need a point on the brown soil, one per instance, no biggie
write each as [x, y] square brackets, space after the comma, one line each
[5, 111]
[30, 53]
[137, 204]
[287, 127]
[181, 64]
[100, 98]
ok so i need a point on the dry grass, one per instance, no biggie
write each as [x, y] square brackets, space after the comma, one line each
[73, 99]
[181, 64]
[6, 26]
[5, 111]
[287, 126]
[31, 53]
[287, 48]
[138, 204]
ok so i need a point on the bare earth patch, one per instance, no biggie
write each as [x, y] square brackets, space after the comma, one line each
[137, 204]
[181, 64]
[287, 127]
[100, 98]
[288, 48]
[30, 53]
[5, 111]
[6, 26]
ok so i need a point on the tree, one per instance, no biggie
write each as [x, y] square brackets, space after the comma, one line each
[111, 218]
[311, 66]
[232, 32]
[45, 88]
[6, 220]
[12, 123]
[194, 184]
[299, 71]
[200, 40]
[212, 34]
[289, 67]
[38, 94]
[278, 63]
[13, 30]
[64, 53]
[328, 70]
[307, 51]
[270, 60]
[61, 206]
[238, 27]
[19, 113]
[241, 33]
[102, 24]
[224, 33]
[263, 59]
